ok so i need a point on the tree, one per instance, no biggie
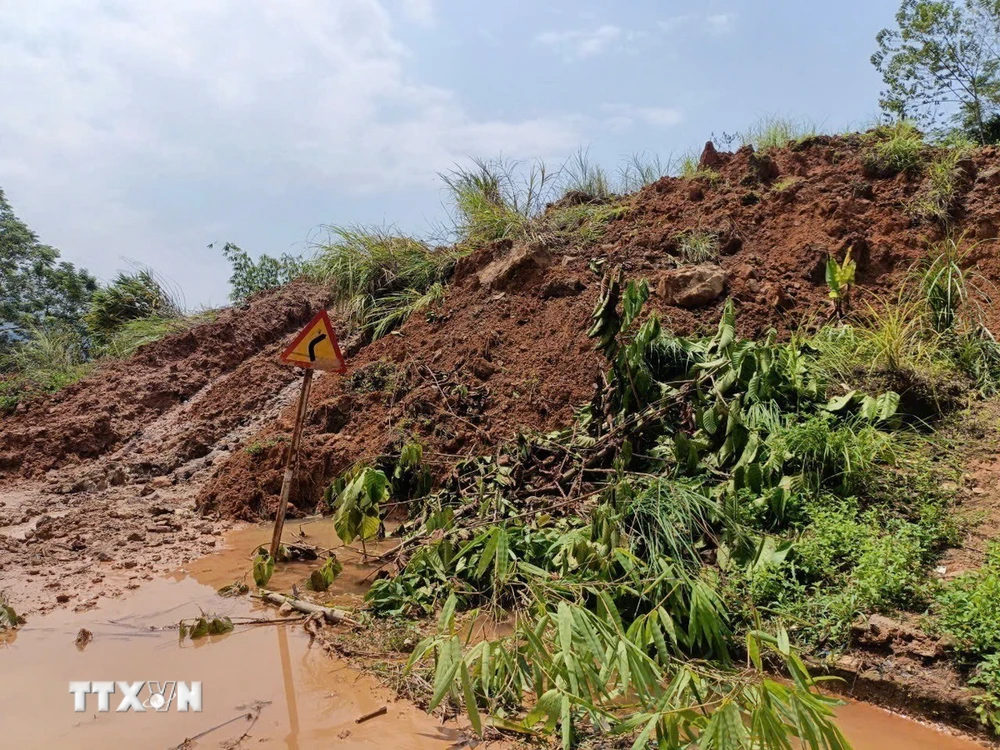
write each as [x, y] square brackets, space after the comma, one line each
[36, 288]
[943, 63]
[249, 277]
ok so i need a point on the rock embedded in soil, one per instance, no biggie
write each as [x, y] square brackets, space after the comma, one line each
[692, 286]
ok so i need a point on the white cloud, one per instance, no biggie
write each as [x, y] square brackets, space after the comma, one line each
[574, 44]
[623, 116]
[720, 23]
[716, 23]
[142, 129]
[419, 11]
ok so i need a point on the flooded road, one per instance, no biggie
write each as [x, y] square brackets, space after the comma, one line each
[305, 699]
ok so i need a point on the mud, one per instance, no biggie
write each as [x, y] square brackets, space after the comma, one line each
[310, 699]
[306, 698]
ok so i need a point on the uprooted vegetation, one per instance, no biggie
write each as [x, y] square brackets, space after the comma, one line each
[719, 505]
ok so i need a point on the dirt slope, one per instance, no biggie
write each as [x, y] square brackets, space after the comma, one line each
[507, 351]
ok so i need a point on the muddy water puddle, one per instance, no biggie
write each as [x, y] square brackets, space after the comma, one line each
[310, 700]
[305, 698]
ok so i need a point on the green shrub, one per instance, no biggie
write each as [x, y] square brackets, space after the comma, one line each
[128, 297]
[968, 608]
[49, 358]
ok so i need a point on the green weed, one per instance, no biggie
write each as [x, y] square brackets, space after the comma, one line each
[129, 297]
[581, 175]
[495, 199]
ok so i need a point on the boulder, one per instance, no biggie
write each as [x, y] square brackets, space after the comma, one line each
[692, 286]
[523, 263]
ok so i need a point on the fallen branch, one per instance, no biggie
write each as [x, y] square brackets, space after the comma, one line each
[334, 616]
[380, 712]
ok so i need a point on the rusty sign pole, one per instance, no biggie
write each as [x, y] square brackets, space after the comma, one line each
[291, 460]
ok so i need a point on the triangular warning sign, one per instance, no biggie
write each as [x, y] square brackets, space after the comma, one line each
[316, 347]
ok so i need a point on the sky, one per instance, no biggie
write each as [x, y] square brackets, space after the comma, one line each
[141, 132]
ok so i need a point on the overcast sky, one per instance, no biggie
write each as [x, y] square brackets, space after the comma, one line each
[143, 131]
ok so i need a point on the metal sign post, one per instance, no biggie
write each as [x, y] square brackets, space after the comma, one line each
[315, 348]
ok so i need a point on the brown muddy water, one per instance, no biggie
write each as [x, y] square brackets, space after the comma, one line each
[305, 698]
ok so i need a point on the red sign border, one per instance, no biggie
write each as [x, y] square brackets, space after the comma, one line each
[321, 315]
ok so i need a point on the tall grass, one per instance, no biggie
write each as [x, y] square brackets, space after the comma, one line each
[49, 358]
[641, 169]
[773, 131]
[136, 333]
[496, 199]
[129, 297]
[580, 174]
[378, 276]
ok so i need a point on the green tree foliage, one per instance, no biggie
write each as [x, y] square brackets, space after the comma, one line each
[250, 277]
[36, 288]
[943, 61]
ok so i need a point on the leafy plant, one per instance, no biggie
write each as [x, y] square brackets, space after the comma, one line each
[204, 626]
[263, 567]
[9, 619]
[323, 577]
[357, 501]
[840, 279]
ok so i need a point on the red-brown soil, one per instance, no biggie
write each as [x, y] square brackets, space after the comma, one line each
[506, 352]
[138, 467]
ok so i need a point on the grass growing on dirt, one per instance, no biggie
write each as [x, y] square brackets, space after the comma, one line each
[380, 277]
[944, 174]
[698, 246]
[50, 358]
[136, 333]
[129, 297]
[893, 149]
[775, 131]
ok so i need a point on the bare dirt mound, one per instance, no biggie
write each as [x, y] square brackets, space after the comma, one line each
[229, 364]
[508, 351]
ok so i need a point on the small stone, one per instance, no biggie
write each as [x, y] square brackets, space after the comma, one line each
[62, 598]
[285, 610]
[159, 528]
[136, 536]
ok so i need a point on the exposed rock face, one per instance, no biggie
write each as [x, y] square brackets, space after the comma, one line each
[692, 286]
